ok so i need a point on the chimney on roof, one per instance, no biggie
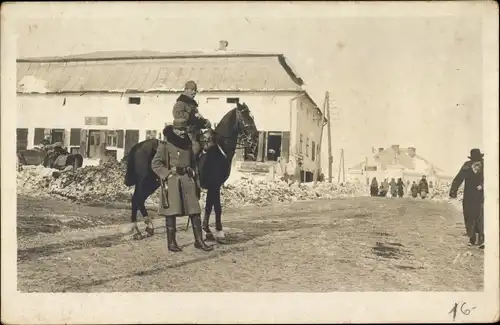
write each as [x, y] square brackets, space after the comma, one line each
[412, 151]
[223, 45]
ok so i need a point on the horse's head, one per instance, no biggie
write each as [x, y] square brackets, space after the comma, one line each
[248, 135]
[237, 129]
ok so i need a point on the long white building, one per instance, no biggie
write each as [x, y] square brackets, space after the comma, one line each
[108, 101]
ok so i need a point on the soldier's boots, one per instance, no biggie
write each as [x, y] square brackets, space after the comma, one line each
[170, 225]
[481, 241]
[198, 235]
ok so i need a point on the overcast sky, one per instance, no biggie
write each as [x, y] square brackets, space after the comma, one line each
[408, 81]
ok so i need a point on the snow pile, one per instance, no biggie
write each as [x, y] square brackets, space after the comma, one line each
[104, 184]
[441, 191]
[248, 191]
[32, 179]
[90, 184]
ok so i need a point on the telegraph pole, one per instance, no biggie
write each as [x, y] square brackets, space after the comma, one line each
[330, 157]
[341, 167]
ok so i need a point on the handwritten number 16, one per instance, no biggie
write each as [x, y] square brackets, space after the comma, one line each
[465, 311]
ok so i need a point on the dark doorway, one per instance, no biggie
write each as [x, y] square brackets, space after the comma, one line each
[273, 146]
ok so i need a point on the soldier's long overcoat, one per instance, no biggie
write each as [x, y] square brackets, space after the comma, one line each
[473, 201]
[182, 190]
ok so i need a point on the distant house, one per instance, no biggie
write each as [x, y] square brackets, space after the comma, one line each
[396, 162]
[108, 101]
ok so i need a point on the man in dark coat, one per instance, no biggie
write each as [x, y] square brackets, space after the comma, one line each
[187, 108]
[374, 187]
[175, 165]
[423, 187]
[473, 200]
[414, 189]
[400, 185]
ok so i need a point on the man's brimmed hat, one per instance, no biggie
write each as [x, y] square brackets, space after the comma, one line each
[476, 155]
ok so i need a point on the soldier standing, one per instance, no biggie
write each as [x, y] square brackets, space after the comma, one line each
[175, 165]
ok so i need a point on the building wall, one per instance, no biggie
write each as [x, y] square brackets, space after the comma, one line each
[308, 125]
[271, 112]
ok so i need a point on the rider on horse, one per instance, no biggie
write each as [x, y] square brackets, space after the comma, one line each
[186, 108]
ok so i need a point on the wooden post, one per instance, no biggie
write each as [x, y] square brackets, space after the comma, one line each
[340, 165]
[343, 167]
[318, 161]
[330, 157]
[83, 142]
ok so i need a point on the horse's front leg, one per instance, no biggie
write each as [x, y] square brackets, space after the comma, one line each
[219, 234]
[206, 218]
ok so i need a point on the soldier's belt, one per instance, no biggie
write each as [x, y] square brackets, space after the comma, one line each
[183, 170]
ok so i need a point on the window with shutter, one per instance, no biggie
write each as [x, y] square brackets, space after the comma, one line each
[120, 135]
[131, 138]
[301, 143]
[74, 137]
[22, 139]
[307, 147]
[261, 146]
[313, 152]
[39, 135]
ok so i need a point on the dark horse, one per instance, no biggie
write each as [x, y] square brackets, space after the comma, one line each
[236, 128]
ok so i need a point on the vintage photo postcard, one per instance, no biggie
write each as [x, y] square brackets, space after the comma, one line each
[249, 162]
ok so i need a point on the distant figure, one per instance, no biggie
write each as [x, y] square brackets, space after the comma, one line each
[384, 188]
[473, 201]
[423, 187]
[394, 189]
[400, 185]
[374, 187]
[414, 189]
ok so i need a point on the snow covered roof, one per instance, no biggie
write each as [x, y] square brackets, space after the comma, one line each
[155, 71]
[386, 159]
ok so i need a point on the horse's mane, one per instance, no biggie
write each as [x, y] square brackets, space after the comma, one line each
[226, 124]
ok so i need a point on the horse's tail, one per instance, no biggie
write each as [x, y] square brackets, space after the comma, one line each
[130, 177]
[70, 159]
[78, 160]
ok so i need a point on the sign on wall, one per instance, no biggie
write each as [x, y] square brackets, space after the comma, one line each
[96, 120]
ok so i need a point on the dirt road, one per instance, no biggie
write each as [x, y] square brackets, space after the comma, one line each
[351, 244]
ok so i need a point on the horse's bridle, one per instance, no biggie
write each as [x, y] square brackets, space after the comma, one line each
[245, 139]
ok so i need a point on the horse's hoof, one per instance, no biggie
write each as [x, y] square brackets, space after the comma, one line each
[137, 236]
[209, 236]
[221, 241]
[150, 231]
